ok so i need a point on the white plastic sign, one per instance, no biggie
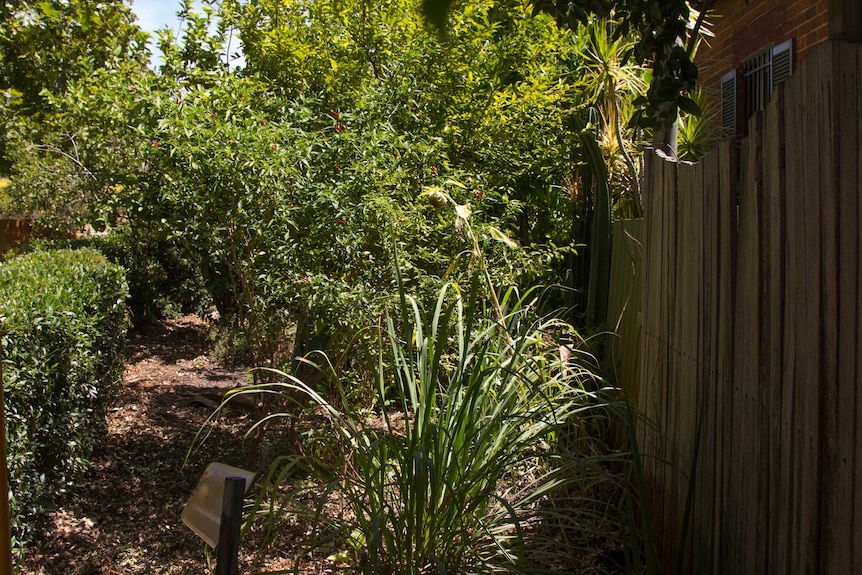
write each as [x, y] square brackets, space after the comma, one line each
[202, 513]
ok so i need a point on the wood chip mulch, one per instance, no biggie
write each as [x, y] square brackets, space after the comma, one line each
[123, 517]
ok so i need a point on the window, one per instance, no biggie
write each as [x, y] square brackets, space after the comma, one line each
[748, 88]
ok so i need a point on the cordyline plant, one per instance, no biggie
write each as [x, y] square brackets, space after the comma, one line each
[482, 458]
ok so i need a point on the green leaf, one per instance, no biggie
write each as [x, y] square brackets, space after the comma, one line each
[689, 106]
[501, 237]
[49, 11]
[339, 557]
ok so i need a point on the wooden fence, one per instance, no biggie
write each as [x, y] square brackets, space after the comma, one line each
[625, 302]
[753, 331]
[14, 232]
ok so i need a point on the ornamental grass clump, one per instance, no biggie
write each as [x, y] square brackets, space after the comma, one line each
[477, 461]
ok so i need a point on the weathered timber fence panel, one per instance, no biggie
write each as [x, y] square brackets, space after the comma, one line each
[751, 329]
[625, 304]
[14, 232]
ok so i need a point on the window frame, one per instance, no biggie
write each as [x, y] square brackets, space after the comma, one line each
[748, 88]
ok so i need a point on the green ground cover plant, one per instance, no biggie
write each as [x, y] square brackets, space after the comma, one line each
[63, 332]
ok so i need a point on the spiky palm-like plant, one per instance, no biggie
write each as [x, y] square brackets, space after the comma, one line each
[611, 83]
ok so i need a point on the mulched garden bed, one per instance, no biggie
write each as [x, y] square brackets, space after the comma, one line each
[123, 517]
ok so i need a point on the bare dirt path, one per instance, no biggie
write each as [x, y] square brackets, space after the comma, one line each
[124, 516]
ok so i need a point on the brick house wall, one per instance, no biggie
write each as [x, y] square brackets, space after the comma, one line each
[743, 27]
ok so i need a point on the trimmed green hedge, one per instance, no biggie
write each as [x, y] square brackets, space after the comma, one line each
[63, 331]
[164, 280]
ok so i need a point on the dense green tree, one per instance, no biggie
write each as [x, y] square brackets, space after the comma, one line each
[497, 91]
[44, 46]
[662, 32]
[291, 180]
[296, 177]
[324, 47]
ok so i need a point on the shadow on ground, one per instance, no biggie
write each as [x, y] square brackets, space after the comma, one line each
[123, 516]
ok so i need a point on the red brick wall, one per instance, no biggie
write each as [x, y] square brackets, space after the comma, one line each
[744, 27]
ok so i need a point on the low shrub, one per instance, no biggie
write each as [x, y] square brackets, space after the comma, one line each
[164, 279]
[63, 331]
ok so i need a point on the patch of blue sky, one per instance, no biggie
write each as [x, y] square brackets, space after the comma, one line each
[155, 15]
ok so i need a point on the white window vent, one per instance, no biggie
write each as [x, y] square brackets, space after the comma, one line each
[782, 62]
[749, 88]
[728, 104]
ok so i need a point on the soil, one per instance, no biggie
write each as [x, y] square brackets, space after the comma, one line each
[123, 517]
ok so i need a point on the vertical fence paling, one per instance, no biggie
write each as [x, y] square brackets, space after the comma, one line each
[851, 343]
[14, 232]
[751, 306]
[777, 500]
[625, 304]
[839, 488]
